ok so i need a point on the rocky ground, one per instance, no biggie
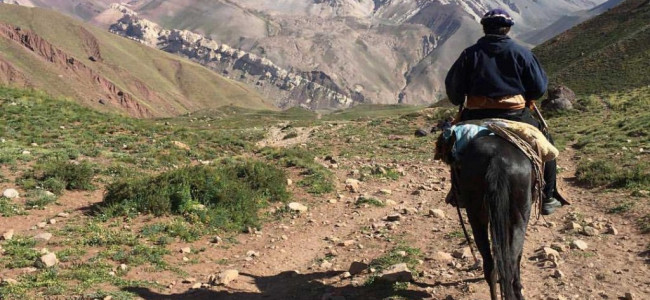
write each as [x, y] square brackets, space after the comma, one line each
[339, 246]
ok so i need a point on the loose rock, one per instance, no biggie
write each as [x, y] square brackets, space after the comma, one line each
[462, 253]
[437, 213]
[352, 185]
[357, 267]
[397, 273]
[186, 250]
[612, 230]
[297, 207]
[43, 237]
[393, 217]
[8, 235]
[550, 254]
[181, 145]
[10, 193]
[574, 226]
[225, 277]
[579, 244]
[590, 231]
[48, 260]
[442, 257]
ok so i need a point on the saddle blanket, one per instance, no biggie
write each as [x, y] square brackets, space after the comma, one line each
[466, 131]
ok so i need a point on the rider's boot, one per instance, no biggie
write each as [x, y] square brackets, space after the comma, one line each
[452, 197]
[549, 205]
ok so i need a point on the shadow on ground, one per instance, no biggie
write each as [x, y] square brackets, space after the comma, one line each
[288, 285]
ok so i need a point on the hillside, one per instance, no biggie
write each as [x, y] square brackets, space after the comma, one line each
[45, 50]
[608, 53]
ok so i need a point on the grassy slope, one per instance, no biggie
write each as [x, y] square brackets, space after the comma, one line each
[605, 61]
[184, 86]
[608, 53]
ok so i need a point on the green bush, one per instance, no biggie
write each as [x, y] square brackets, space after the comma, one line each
[56, 175]
[225, 196]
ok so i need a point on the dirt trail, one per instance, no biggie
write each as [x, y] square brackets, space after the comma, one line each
[282, 135]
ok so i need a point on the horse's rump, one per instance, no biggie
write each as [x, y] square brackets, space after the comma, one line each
[494, 179]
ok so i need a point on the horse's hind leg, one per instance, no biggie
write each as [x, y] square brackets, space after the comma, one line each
[480, 230]
[516, 284]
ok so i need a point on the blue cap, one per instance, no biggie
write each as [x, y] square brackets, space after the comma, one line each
[497, 17]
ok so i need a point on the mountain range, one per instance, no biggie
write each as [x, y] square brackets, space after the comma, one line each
[325, 54]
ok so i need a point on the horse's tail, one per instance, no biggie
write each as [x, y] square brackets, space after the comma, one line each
[499, 202]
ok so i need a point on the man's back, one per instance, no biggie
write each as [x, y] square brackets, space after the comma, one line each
[496, 67]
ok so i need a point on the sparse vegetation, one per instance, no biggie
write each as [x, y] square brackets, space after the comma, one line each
[395, 256]
[317, 179]
[370, 200]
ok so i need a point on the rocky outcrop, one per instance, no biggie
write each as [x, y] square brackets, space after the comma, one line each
[45, 50]
[287, 88]
[559, 98]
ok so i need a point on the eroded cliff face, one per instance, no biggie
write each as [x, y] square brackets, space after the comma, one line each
[110, 93]
[286, 88]
[10, 75]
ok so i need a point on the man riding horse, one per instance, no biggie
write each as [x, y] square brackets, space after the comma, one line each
[497, 78]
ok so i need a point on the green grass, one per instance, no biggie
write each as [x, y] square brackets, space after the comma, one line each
[19, 253]
[607, 133]
[644, 223]
[223, 196]
[370, 201]
[621, 208]
[316, 179]
[161, 232]
[38, 199]
[9, 208]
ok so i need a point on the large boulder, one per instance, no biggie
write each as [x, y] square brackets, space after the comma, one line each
[559, 98]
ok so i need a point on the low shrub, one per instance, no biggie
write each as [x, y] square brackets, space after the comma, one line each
[227, 196]
[56, 175]
[317, 179]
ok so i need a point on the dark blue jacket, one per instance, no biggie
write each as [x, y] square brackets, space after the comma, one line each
[495, 67]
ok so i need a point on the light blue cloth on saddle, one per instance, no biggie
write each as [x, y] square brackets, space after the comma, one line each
[464, 133]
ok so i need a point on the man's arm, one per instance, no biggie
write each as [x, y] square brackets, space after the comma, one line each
[534, 78]
[455, 83]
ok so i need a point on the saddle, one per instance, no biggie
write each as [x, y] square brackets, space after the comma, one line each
[527, 138]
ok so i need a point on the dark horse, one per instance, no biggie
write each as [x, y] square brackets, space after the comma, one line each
[494, 179]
